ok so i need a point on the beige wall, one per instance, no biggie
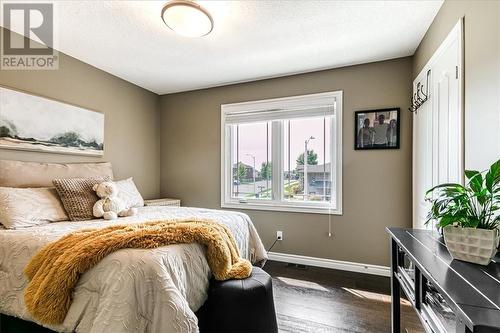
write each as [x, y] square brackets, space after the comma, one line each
[377, 184]
[482, 73]
[131, 117]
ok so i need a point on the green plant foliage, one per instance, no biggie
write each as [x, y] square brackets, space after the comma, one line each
[312, 158]
[266, 171]
[475, 205]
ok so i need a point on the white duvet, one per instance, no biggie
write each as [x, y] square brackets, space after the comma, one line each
[130, 290]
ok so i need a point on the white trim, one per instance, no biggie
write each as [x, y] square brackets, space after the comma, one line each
[330, 263]
[336, 151]
[277, 158]
[273, 206]
[283, 104]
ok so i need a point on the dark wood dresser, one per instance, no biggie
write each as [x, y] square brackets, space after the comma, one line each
[448, 295]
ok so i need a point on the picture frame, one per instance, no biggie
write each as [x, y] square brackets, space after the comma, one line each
[370, 134]
[33, 122]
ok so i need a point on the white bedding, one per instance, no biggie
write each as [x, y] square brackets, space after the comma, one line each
[130, 290]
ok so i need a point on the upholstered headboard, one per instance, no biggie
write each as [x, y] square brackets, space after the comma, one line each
[35, 174]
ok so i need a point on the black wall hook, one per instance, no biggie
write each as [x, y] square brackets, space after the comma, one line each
[417, 100]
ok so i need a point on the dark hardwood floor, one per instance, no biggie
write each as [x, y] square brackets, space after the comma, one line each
[312, 299]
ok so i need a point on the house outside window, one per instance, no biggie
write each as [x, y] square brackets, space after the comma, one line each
[283, 154]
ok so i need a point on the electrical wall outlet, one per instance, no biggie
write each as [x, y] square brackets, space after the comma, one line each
[279, 235]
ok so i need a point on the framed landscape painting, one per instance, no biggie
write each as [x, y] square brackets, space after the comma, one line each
[377, 129]
[29, 122]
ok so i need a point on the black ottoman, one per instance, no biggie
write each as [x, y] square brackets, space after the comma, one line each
[240, 305]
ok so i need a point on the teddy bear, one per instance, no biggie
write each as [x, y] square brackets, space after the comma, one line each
[110, 206]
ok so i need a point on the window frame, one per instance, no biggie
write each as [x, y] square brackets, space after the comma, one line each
[277, 203]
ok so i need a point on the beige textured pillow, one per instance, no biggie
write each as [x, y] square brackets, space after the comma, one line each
[128, 193]
[39, 174]
[27, 207]
[78, 197]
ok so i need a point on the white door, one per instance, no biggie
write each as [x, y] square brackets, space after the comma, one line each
[438, 125]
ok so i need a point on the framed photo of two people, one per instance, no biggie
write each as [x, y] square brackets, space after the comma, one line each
[377, 129]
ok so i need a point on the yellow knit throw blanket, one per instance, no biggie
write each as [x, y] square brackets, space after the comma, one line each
[54, 271]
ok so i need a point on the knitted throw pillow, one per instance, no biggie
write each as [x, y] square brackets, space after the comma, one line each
[78, 197]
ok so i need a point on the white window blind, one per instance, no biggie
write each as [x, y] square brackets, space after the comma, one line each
[279, 114]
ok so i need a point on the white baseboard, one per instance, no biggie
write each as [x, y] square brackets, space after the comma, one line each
[330, 263]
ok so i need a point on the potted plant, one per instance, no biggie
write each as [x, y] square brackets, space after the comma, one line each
[468, 215]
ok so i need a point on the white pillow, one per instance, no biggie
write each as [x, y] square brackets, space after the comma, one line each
[128, 193]
[27, 207]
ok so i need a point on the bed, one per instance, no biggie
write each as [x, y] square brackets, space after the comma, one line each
[130, 290]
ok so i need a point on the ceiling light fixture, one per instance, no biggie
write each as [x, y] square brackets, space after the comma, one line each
[187, 18]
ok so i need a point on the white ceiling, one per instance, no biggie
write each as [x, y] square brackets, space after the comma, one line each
[251, 39]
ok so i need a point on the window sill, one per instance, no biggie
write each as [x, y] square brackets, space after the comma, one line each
[283, 208]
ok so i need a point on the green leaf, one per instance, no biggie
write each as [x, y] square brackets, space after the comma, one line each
[495, 170]
[471, 173]
[476, 183]
[489, 181]
[473, 222]
[482, 196]
[451, 186]
[447, 220]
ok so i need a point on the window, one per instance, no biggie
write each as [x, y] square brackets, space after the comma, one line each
[283, 154]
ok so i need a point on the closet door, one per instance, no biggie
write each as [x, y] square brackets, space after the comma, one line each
[438, 125]
[448, 118]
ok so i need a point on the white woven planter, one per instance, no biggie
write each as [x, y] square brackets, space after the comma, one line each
[473, 245]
